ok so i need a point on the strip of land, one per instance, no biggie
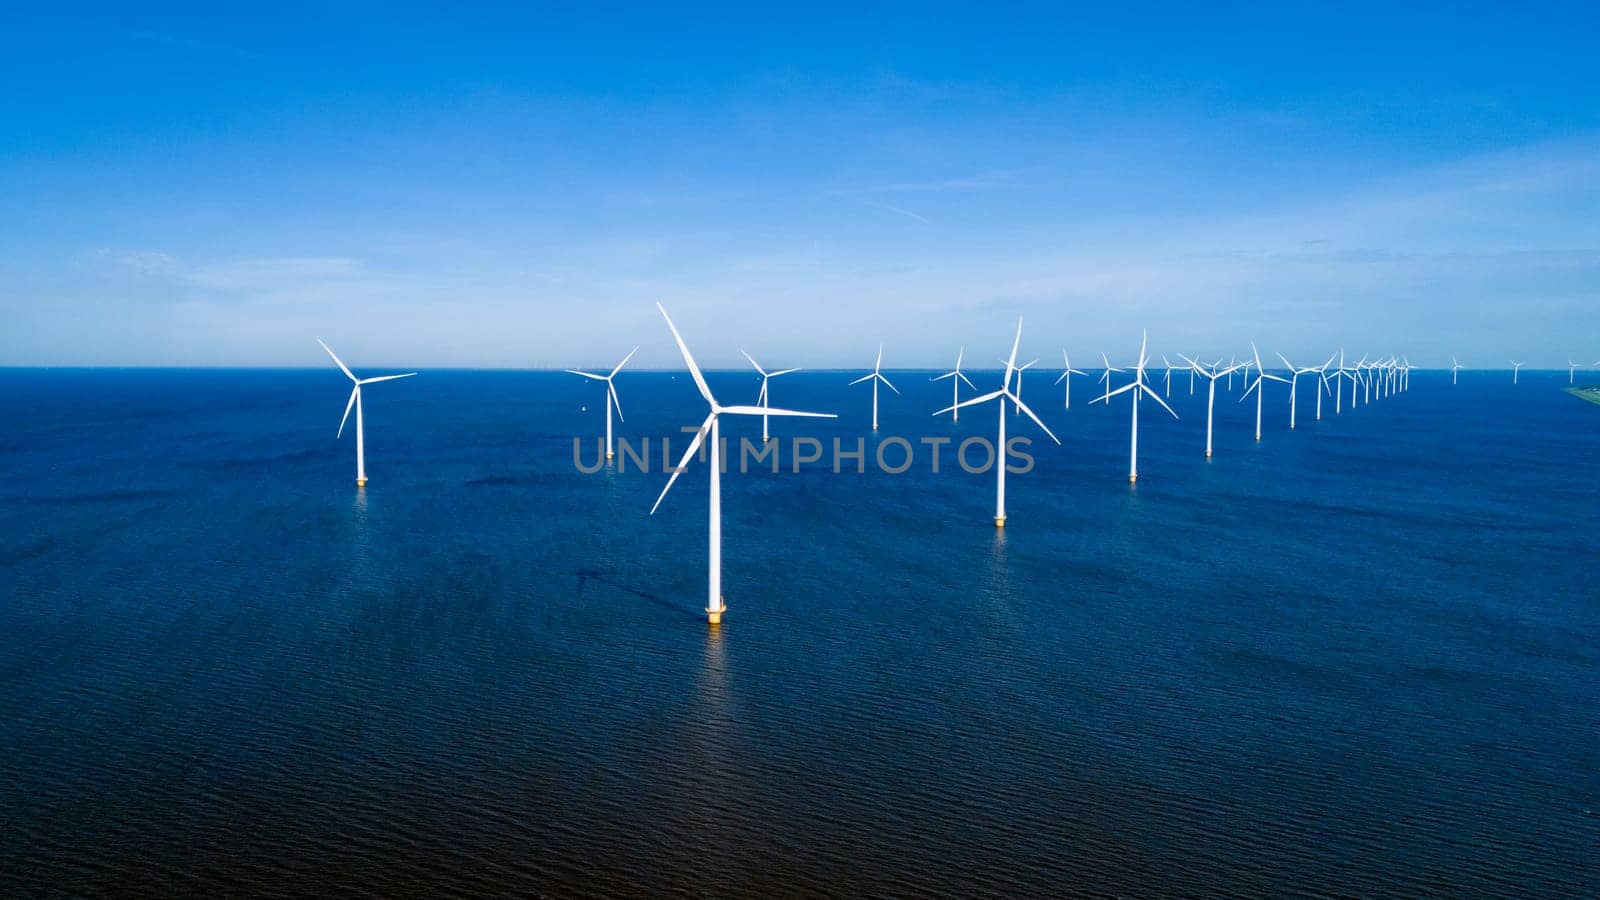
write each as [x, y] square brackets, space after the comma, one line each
[1590, 394]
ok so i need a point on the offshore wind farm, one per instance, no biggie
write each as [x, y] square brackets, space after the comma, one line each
[1297, 599]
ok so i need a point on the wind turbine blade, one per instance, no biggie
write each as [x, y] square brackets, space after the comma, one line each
[783, 372]
[967, 380]
[340, 363]
[888, 385]
[349, 405]
[754, 363]
[879, 364]
[615, 400]
[772, 411]
[866, 377]
[1062, 378]
[971, 401]
[959, 354]
[1257, 354]
[944, 376]
[1024, 407]
[1104, 397]
[624, 362]
[1157, 398]
[694, 446]
[694, 370]
[1015, 343]
[588, 375]
[1286, 364]
[384, 378]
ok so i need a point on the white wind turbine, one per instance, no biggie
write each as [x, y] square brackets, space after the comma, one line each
[1106, 378]
[956, 378]
[611, 394]
[1016, 408]
[1211, 375]
[1348, 374]
[715, 604]
[1515, 368]
[1261, 375]
[1168, 363]
[1000, 449]
[1138, 386]
[761, 399]
[355, 401]
[1294, 384]
[875, 377]
[1066, 376]
[1454, 368]
[1322, 384]
[1572, 371]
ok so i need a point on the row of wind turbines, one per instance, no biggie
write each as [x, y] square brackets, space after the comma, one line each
[1366, 379]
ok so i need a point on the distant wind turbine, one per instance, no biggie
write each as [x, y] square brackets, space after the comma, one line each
[715, 604]
[1138, 386]
[1020, 369]
[875, 377]
[1515, 368]
[1261, 375]
[611, 394]
[1066, 376]
[1211, 374]
[1572, 371]
[1454, 368]
[1294, 383]
[956, 378]
[1106, 378]
[762, 398]
[355, 400]
[1000, 449]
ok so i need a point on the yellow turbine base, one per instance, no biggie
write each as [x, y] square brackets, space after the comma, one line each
[999, 521]
[1133, 479]
[610, 455]
[361, 482]
[714, 616]
[1208, 454]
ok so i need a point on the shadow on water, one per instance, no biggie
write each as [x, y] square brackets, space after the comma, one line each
[587, 575]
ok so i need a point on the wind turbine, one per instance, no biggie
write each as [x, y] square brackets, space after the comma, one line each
[875, 377]
[1166, 362]
[1572, 371]
[1106, 378]
[611, 394]
[1019, 369]
[1322, 384]
[715, 604]
[1000, 453]
[1294, 384]
[355, 400]
[1138, 386]
[1348, 374]
[1211, 376]
[761, 400]
[956, 378]
[1515, 368]
[1066, 376]
[1454, 368]
[1261, 375]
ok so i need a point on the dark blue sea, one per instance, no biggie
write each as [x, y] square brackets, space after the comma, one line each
[1361, 658]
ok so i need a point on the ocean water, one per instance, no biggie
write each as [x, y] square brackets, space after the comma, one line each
[1359, 658]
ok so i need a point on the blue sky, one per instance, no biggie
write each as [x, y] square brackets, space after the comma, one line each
[514, 188]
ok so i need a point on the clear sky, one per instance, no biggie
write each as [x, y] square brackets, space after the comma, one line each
[517, 188]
